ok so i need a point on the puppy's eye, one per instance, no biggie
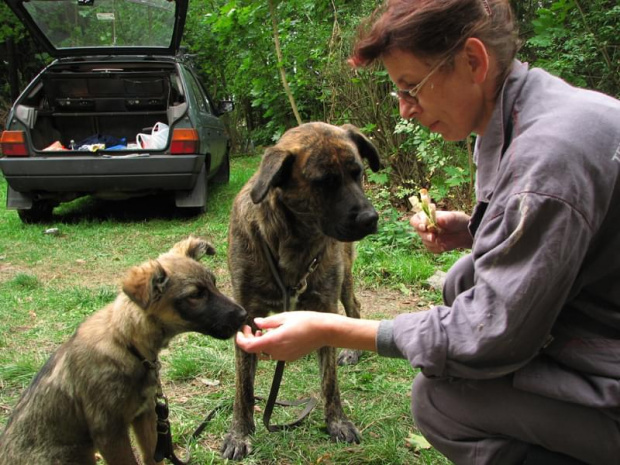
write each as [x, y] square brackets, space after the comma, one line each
[197, 294]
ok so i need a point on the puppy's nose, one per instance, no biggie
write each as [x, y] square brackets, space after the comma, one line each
[241, 313]
[367, 220]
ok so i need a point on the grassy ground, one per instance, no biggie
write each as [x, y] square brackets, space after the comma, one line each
[50, 282]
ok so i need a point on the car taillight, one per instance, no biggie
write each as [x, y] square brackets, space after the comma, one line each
[184, 141]
[14, 144]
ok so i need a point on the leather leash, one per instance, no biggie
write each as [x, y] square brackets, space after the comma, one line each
[289, 297]
[164, 448]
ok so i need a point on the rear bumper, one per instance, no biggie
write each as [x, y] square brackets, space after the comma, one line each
[93, 174]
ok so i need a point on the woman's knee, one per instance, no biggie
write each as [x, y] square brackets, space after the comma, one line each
[422, 402]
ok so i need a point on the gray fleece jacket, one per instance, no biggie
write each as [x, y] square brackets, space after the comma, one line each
[545, 304]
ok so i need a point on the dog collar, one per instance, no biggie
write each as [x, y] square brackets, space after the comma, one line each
[149, 365]
[289, 294]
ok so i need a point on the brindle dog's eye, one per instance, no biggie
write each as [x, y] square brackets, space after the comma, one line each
[330, 181]
[356, 174]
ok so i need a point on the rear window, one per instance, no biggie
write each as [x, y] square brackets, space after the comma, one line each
[70, 24]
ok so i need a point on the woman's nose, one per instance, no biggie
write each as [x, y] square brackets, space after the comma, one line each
[408, 110]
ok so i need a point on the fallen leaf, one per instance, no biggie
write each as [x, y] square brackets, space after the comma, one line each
[209, 382]
[417, 442]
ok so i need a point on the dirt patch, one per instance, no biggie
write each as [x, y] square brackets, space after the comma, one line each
[387, 303]
[8, 270]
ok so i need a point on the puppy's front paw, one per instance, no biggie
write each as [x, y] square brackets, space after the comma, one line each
[235, 447]
[344, 431]
[349, 357]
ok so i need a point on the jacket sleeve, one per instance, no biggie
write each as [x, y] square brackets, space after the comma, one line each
[526, 256]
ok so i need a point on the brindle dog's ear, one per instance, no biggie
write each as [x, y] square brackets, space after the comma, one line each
[146, 284]
[366, 148]
[275, 169]
[193, 247]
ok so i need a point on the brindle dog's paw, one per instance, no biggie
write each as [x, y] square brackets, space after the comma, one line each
[344, 431]
[349, 357]
[235, 447]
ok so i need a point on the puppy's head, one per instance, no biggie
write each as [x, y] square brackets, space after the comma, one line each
[315, 170]
[179, 293]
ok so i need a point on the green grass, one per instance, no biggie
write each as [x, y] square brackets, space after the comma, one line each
[50, 283]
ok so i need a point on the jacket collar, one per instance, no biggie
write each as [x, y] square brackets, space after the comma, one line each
[498, 134]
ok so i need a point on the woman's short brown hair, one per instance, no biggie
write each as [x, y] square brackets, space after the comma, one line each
[436, 28]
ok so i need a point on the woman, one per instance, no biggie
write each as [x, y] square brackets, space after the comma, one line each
[522, 362]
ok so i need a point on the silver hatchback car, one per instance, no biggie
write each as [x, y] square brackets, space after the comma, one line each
[118, 113]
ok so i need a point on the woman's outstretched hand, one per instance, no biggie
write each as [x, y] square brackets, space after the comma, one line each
[289, 336]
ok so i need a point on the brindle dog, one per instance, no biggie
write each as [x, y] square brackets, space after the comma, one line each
[104, 379]
[305, 203]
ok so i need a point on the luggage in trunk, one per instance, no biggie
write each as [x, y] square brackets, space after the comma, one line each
[117, 105]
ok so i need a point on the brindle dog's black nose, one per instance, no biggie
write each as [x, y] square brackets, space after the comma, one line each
[367, 220]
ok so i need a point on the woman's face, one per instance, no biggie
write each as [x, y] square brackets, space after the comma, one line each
[452, 102]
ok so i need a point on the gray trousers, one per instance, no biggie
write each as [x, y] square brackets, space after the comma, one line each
[490, 422]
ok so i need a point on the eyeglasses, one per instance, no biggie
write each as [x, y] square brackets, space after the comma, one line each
[411, 95]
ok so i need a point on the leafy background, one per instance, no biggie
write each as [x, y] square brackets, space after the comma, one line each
[243, 49]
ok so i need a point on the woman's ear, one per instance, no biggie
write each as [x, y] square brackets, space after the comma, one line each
[477, 57]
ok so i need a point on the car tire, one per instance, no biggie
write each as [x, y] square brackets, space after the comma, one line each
[41, 212]
[223, 173]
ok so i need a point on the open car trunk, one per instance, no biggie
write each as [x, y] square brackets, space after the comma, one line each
[76, 106]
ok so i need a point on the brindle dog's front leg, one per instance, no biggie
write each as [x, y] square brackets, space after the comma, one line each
[237, 442]
[340, 428]
[352, 308]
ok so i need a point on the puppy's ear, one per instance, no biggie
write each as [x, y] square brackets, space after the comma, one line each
[366, 148]
[145, 284]
[275, 169]
[193, 247]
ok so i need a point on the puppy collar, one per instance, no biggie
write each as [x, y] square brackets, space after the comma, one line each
[149, 365]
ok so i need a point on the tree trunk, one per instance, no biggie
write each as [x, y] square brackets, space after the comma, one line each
[276, 38]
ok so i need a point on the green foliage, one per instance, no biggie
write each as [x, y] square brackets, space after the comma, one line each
[394, 256]
[578, 41]
[233, 43]
[425, 160]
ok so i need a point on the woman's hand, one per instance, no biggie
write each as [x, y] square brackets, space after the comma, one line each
[289, 336]
[286, 336]
[452, 234]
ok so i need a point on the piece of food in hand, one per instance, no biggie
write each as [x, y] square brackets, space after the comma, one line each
[424, 205]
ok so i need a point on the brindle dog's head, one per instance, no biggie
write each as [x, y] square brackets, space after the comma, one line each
[179, 293]
[315, 171]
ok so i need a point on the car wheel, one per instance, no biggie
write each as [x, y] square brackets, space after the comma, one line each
[40, 212]
[223, 173]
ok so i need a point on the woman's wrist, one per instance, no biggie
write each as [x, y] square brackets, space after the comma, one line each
[331, 326]
[349, 333]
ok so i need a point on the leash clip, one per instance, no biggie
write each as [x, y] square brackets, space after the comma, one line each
[303, 282]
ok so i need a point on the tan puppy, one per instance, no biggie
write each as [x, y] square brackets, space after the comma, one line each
[104, 379]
